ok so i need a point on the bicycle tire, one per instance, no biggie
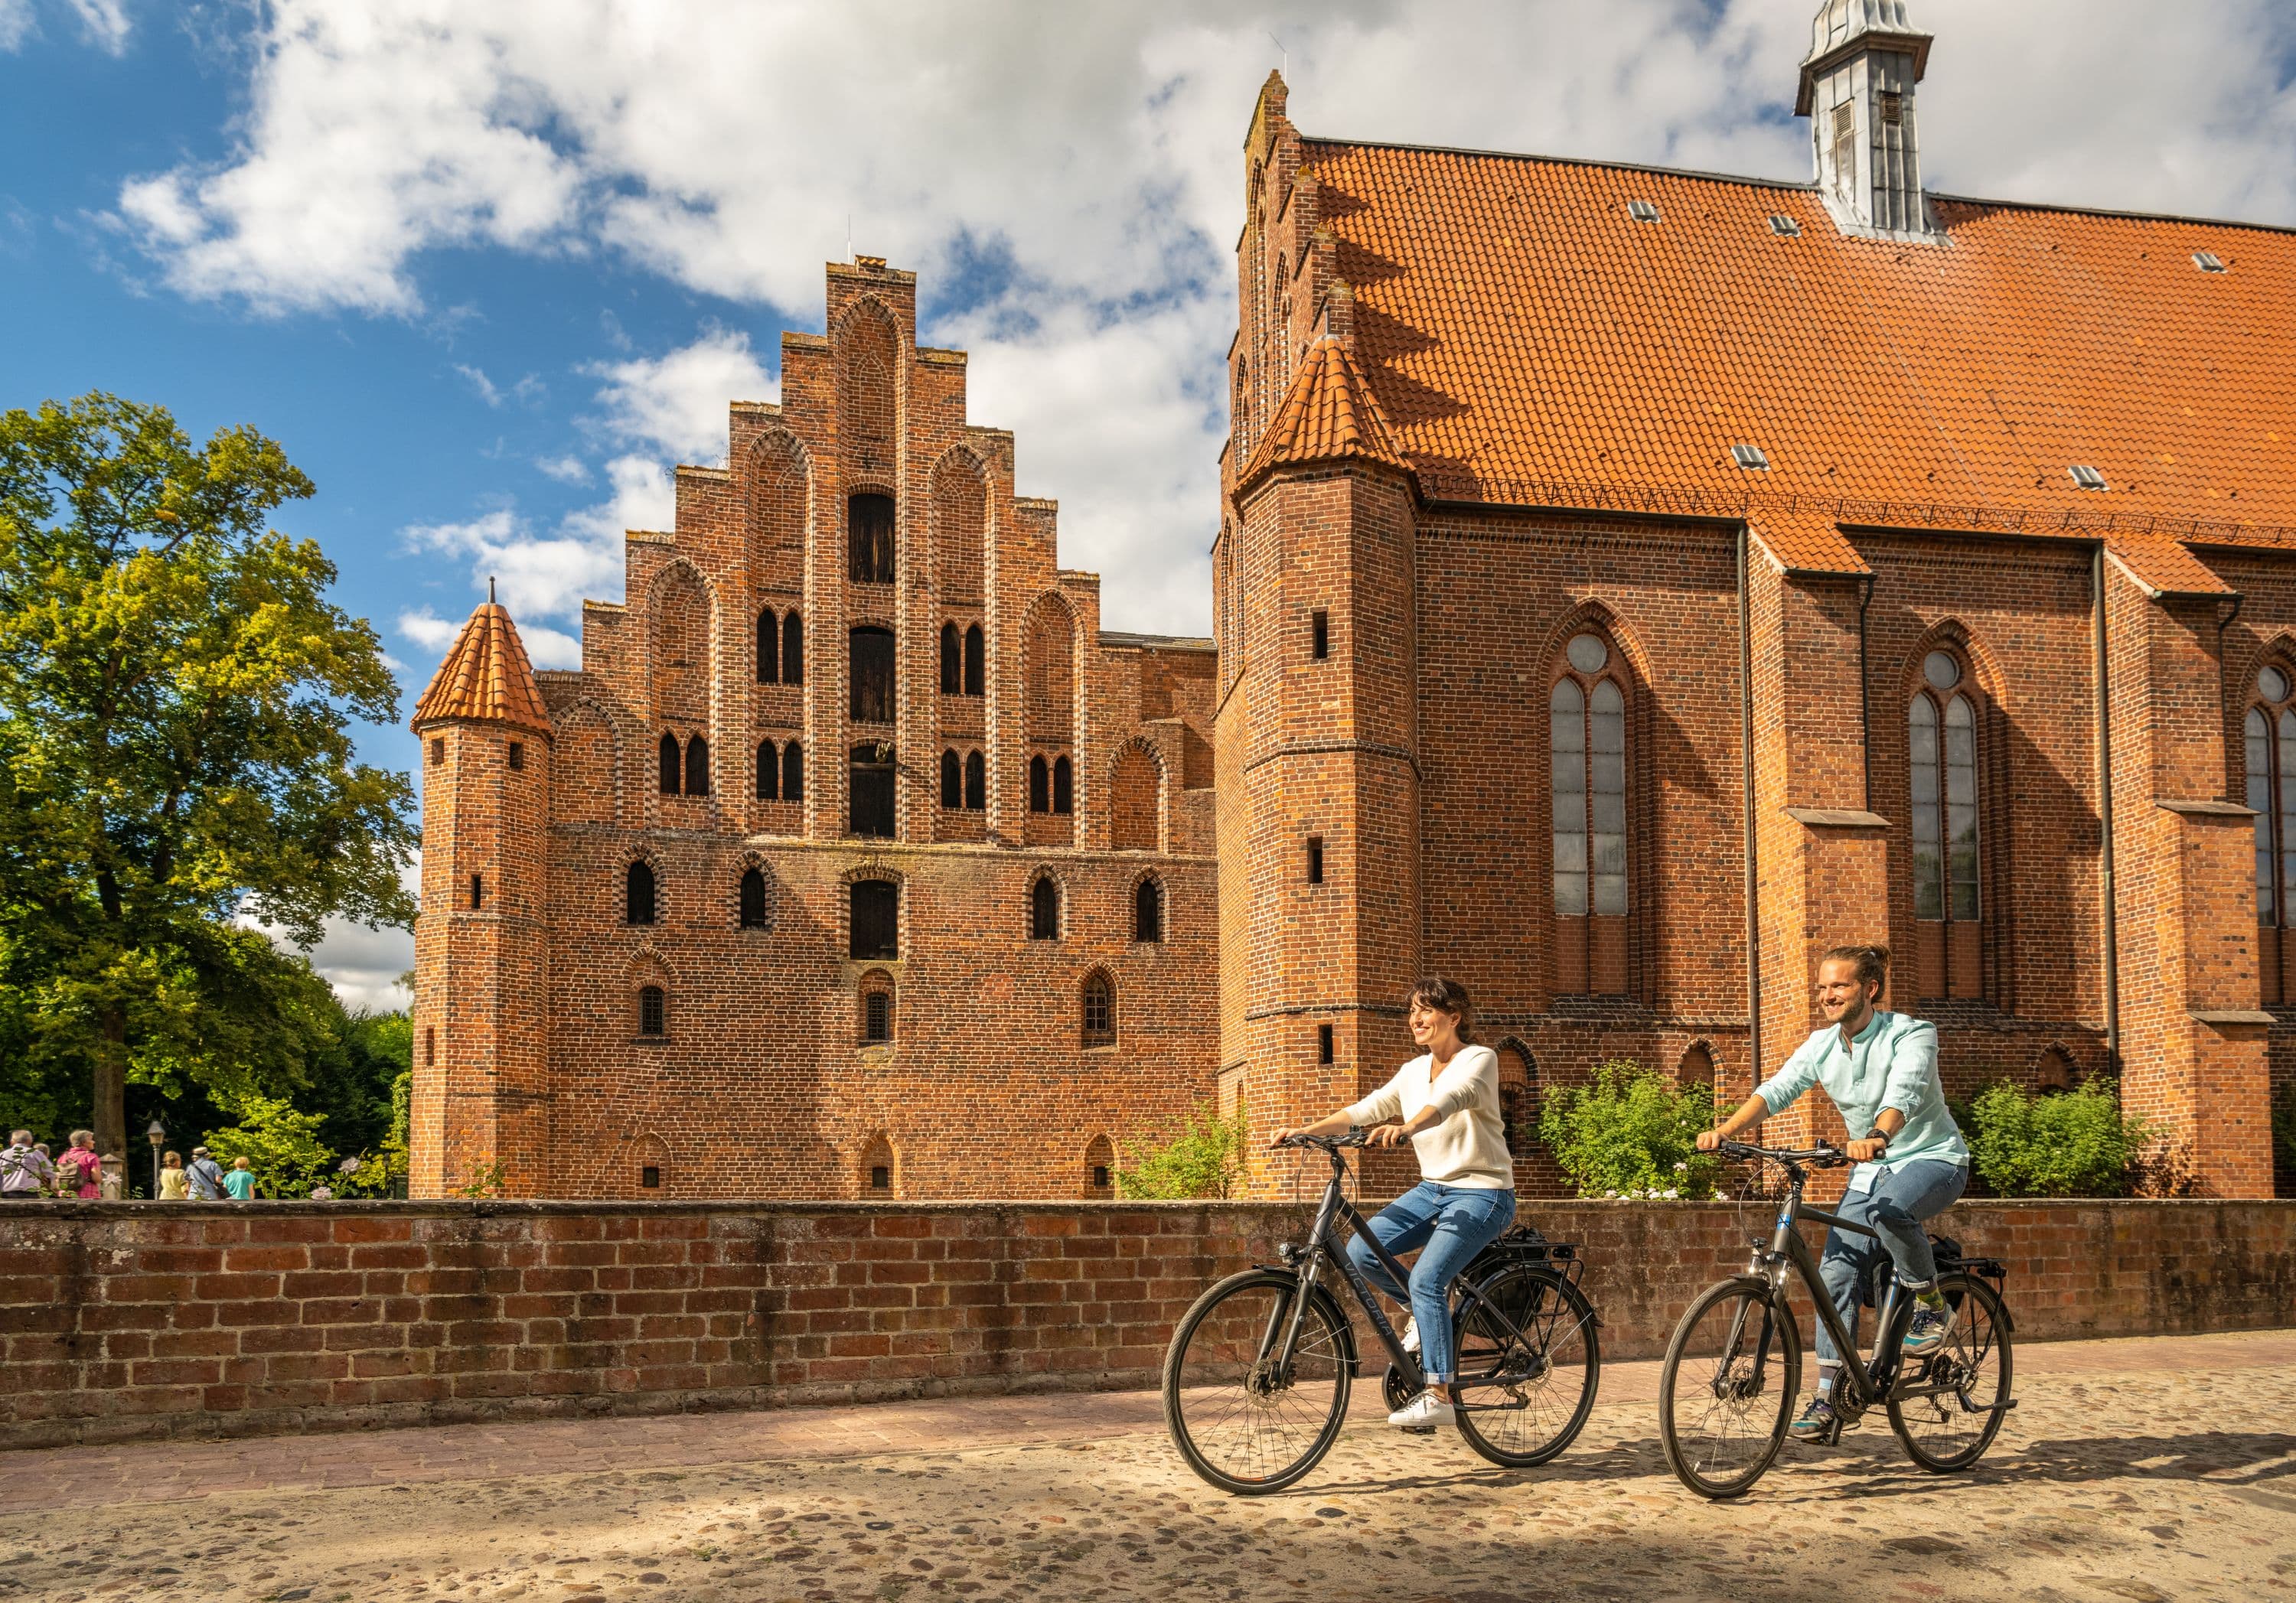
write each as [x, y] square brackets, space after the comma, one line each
[1204, 1349]
[1965, 1294]
[1557, 1317]
[1690, 1465]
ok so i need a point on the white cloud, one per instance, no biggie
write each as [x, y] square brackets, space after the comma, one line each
[566, 469]
[525, 391]
[103, 23]
[1089, 155]
[480, 383]
[15, 22]
[362, 965]
[677, 403]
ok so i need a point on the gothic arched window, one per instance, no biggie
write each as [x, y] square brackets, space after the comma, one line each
[976, 661]
[654, 1010]
[2269, 739]
[1063, 785]
[976, 782]
[792, 649]
[768, 772]
[697, 766]
[769, 648]
[753, 898]
[637, 894]
[672, 763]
[1587, 779]
[952, 782]
[792, 773]
[1941, 742]
[1098, 1010]
[952, 661]
[1044, 909]
[1040, 793]
[869, 537]
[1148, 911]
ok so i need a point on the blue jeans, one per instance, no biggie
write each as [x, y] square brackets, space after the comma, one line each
[1895, 1210]
[1453, 1223]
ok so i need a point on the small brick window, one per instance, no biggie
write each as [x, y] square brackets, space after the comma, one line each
[976, 661]
[1148, 911]
[753, 911]
[430, 1047]
[1063, 785]
[1319, 635]
[1044, 909]
[478, 892]
[649, 1177]
[952, 661]
[875, 911]
[638, 894]
[1100, 1177]
[517, 756]
[697, 766]
[976, 783]
[770, 647]
[1040, 791]
[670, 764]
[438, 751]
[880, 1177]
[952, 783]
[652, 1010]
[1322, 1044]
[769, 771]
[1099, 1010]
[1315, 859]
[792, 651]
[877, 1017]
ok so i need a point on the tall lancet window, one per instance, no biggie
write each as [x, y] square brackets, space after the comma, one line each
[1587, 756]
[2269, 742]
[1942, 746]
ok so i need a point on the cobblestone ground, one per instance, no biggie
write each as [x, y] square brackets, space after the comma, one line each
[2138, 1470]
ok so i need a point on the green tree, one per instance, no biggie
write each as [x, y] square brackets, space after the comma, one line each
[2077, 1143]
[1631, 1132]
[1202, 1158]
[175, 697]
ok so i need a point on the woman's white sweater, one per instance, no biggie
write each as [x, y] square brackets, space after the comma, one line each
[1468, 1147]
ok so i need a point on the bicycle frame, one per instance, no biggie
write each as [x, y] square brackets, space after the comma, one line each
[1872, 1382]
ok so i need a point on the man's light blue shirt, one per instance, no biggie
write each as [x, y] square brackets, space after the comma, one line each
[1892, 1063]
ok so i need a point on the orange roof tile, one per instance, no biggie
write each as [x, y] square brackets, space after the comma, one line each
[485, 676]
[1530, 342]
[1328, 413]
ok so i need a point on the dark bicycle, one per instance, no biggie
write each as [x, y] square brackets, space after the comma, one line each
[1257, 1379]
[1734, 1369]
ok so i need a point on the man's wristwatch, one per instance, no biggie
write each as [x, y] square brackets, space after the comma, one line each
[1878, 1134]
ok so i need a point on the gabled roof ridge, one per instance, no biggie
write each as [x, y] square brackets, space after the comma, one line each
[1803, 186]
[1329, 412]
[486, 677]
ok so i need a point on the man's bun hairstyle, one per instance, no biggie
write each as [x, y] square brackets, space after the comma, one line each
[1873, 962]
[1444, 996]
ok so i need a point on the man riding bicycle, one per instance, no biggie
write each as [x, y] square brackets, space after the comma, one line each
[1881, 1069]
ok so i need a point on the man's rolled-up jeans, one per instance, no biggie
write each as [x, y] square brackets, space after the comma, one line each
[1901, 1201]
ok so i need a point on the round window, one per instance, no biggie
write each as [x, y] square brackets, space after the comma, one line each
[1587, 653]
[2272, 685]
[1941, 670]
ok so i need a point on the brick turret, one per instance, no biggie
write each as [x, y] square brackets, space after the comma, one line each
[481, 1078]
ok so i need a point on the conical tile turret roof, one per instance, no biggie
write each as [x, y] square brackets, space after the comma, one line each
[1328, 415]
[485, 676]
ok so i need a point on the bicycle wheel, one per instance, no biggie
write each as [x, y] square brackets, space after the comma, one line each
[1241, 1424]
[1956, 1409]
[1726, 1395]
[1527, 1390]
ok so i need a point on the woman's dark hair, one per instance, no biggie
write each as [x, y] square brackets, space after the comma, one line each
[1873, 962]
[1444, 996]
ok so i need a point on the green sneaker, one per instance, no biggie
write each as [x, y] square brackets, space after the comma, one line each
[1816, 1421]
[1926, 1332]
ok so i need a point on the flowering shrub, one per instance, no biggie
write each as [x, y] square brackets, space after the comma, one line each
[1631, 1133]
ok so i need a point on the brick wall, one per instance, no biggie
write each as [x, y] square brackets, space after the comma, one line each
[126, 1322]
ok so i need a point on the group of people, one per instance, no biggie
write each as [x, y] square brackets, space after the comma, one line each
[30, 1172]
[1879, 1067]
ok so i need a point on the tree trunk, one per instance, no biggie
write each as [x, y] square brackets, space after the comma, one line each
[111, 1108]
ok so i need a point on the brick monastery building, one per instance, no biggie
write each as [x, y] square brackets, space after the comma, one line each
[1629, 583]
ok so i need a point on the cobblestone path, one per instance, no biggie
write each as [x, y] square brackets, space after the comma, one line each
[2141, 1470]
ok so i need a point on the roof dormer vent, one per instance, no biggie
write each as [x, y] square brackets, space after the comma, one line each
[1750, 457]
[1781, 224]
[1642, 211]
[2086, 477]
[2208, 261]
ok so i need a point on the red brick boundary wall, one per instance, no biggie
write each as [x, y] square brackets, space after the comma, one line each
[124, 1321]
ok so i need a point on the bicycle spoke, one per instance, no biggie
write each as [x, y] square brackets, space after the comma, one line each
[1241, 1423]
[1725, 1393]
[1966, 1381]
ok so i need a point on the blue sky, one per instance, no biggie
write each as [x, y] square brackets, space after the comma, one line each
[487, 267]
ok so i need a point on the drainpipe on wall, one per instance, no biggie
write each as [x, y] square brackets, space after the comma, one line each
[1746, 808]
[1865, 692]
[2104, 795]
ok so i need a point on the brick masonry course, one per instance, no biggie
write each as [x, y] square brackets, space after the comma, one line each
[157, 1321]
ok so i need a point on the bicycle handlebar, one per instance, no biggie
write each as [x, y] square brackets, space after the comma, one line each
[1355, 1137]
[1823, 1156]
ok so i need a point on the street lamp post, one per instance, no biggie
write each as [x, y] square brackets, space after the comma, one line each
[156, 1134]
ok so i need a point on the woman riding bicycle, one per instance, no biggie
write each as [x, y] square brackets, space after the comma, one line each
[1447, 1100]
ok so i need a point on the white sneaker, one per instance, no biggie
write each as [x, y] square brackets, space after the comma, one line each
[1423, 1412]
[1410, 1334]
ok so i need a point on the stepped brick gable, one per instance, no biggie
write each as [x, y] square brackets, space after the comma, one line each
[1632, 582]
[856, 859]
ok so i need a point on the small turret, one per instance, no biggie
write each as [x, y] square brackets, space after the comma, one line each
[1858, 90]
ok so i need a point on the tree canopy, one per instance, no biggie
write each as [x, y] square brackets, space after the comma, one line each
[176, 694]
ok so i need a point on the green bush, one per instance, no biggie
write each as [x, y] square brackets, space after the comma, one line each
[1632, 1133]
[2284, 1126]
[2077, 1143]
[1204, 1158]
[281, 1146]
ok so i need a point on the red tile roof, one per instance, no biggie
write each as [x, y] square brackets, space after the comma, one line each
[1328, 413]
[485, 676]
[1529, 341]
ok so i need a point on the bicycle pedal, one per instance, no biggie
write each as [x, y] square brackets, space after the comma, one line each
[1417, 1430]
